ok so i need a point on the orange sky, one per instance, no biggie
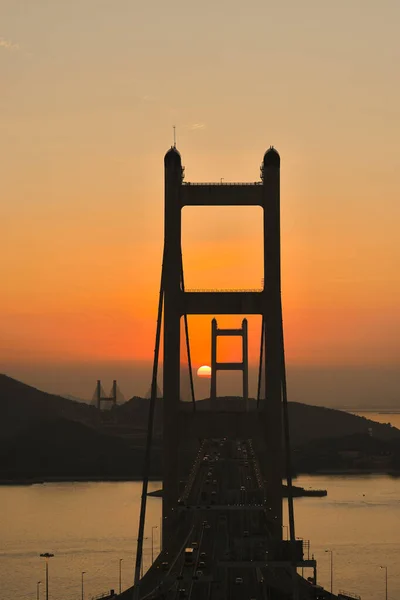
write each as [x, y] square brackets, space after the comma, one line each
[91, 91]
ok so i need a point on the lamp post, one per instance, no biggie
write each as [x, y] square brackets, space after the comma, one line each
[82, 574]
[152, 542]
[120, 574]
[386, 582]
[141, 566]
[47, 555]
[331, 553]
[38, 590]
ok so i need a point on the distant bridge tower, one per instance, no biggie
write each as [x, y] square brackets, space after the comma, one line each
[229, 366]
[101, 397]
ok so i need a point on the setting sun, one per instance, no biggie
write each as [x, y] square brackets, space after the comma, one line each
[204, 372]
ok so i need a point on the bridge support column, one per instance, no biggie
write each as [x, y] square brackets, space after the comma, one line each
[273, 467]
[172, 314]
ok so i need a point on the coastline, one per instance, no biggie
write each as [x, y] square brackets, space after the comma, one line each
[123, 478]
[75, 479]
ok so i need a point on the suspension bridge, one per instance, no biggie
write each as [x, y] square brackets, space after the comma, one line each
[222, 530]
[105, 401]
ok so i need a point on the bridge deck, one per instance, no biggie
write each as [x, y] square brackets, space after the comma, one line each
[224, 516]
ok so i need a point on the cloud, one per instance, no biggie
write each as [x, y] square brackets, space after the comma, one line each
[197, 126]
[7, 45]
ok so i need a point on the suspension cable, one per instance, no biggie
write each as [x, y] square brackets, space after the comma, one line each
[288, 459]
[188, 344]
[146, 466]
[260, 369]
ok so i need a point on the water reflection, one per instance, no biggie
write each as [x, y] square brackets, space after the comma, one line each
[90, 526]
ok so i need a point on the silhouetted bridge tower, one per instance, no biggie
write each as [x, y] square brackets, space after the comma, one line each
[230, 512]
[216, 366]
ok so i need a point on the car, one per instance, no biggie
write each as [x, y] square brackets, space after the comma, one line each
[239, 580]
[246, 534]
[203, 554]
[202, 564]
[182, 593]
[179, 577]
[199, 573]
[164, 566]
[194, 544]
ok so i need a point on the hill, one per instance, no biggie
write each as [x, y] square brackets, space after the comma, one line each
[43, 435]
[59, 448]
[22, 404]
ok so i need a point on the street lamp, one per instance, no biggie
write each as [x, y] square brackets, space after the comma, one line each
[82, 574]
[38, 589]
[152, 542]
[47, 555]
[120, 574]
[386, 582]
[142, 561]
[331, 552]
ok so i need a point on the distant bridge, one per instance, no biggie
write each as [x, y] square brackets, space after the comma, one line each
[105, 401]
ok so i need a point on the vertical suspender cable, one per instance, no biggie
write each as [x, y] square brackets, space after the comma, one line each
[146, 467]
[188, 344]
[288, 466]
[260, 369]
[287, 443]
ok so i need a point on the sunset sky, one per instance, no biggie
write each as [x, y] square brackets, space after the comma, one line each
[90, 90]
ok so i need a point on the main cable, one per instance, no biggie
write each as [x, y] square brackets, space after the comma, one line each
[188, 343]
[260, 368]
[149, 439]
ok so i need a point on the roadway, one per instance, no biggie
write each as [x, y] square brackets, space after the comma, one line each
[225, 521]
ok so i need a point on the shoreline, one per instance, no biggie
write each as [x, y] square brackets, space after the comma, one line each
[75, 479]
[121, 478]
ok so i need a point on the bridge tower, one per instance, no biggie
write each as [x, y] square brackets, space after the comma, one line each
[265, 424]
[101, 398]
[229, 366]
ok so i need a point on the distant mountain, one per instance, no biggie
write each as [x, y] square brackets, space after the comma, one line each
[308, 423]
[74, 398]
[47, 436]
[21, 404]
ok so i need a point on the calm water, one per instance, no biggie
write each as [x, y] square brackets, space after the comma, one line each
[381, 417]
[89, 527]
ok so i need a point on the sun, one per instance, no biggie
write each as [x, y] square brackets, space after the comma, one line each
[204, 372]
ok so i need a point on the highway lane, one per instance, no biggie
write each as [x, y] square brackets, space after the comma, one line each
[229, 530]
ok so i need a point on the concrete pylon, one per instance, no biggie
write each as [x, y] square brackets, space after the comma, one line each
[243, 365]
